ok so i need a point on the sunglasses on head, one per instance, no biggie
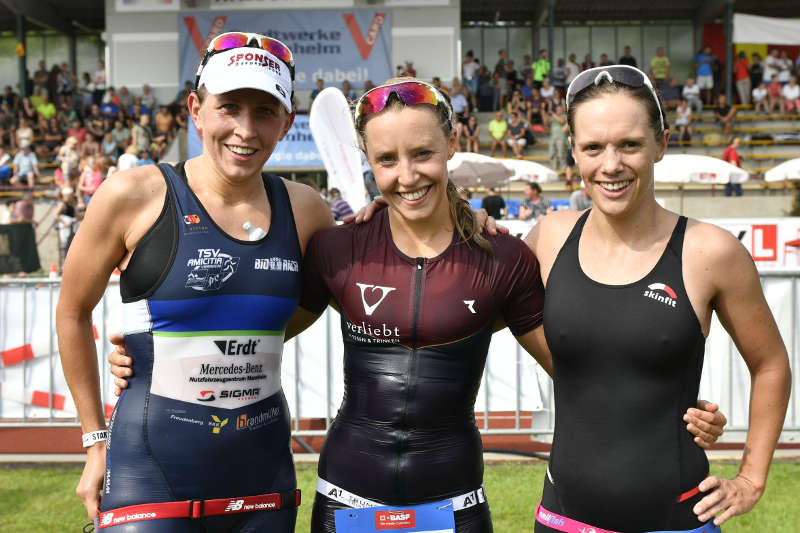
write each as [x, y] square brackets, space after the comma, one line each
[622, 74]
[409, 92]
[235, 39]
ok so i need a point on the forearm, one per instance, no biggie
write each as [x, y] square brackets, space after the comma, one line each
[770, 388]
[79, 363]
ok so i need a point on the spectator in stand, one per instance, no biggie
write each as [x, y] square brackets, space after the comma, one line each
[557, 148]
[627, 58]
[52, 138]
[144, 159]
[497, 128]
[128, 159]
[580, 200]
[121, 135]
[22, 211]
[548, 91]
[348, 91]
[511, 79]
[78, 132]
[756, 70]
[797, 66]
[731, 155]
[526, 69]
[40, 77]
[86, 91]
[534, 206]
[138, 108]
[743, 86]
[368, 86]
[91, 147]
[573, 69]
[469, 73]
[26, 167]
[705, 74]
[485, 89]
[671, 94]
[148, 99]
[110, 149]
[604, 61]
[7, 126]
[181, 98]
[320, 85]
[691, 93]
[660, 68]
[516, 134]
[587, 63]
[99, 80]
[164, 125]
[784, 68]
[541, 69]
[493, 203]
[142, 135]
[90, 180]
[125, 98]
[67, 159]
[791, 97]
[5, 168]
[774, 94]
[725, 115]
[94, 121]
[683, 120]
[46, 109]
[538, 109]
[559, 76]
[409, 69]
[339, 206]
[437, 82]
[472, 132]
[27, 110]
[760, 97]
[527, 89]
[460, 105]
[772, 65]
[65, 85]
[66, 219]
[10, 97]
[24, 134]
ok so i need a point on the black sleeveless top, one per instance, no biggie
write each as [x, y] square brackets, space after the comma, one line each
[627, 361]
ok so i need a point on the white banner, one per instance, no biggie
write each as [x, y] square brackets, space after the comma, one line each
[770, 30]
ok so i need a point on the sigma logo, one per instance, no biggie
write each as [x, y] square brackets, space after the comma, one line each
[233, 347]
[106, 519]
[401, 519]
[665, 294]
[207, 396]
[234, 505]
[382, 293]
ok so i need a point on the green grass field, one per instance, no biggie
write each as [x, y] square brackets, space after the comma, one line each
[42, 499]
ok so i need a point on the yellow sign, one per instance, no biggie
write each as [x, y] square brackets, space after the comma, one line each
[19, 50]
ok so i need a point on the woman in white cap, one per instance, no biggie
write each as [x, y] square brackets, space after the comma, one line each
[201, 438]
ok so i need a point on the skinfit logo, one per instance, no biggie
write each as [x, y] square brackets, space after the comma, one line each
[383, 292]
[207, 396]
[661, 293]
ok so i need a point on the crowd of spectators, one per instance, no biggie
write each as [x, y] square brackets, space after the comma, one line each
[82, 128]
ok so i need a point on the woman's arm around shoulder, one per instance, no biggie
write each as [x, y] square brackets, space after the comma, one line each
[727, 275]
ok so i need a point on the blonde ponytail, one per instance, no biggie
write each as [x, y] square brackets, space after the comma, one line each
[464, 219]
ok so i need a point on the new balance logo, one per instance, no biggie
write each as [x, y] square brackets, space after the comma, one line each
[234, 505]
[384, 291]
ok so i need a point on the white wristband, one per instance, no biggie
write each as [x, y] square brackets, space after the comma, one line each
[93, 437]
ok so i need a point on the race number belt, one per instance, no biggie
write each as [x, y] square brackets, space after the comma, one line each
[199, 508]
[462, 501]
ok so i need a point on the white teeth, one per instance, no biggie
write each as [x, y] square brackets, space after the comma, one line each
[615, 186]
[241, 150]
[416, 195]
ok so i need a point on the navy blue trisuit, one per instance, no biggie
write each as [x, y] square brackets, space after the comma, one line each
[204, 415]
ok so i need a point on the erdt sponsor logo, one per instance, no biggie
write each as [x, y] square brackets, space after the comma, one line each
[400, 519]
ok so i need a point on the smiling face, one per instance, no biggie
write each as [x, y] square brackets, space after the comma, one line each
[408, 151]
[615, 148]
[239, 129]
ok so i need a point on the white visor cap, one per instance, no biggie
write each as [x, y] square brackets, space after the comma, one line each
[248, 68]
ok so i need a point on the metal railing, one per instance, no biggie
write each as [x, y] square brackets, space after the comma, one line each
[34, 376]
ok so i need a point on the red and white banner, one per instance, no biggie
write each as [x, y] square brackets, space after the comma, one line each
[774, 243]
